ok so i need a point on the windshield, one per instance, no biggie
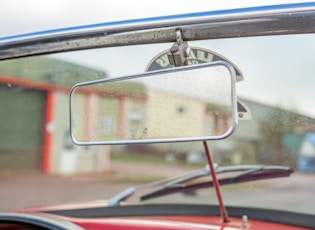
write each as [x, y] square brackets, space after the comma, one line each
[40, 165]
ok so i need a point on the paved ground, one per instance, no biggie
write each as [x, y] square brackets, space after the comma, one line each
[27, 190]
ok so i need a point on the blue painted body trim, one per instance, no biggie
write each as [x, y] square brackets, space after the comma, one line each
[257, 9]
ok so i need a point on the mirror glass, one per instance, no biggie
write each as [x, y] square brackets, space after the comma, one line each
[179, 104]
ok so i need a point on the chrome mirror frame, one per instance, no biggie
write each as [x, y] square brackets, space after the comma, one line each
[233, 104]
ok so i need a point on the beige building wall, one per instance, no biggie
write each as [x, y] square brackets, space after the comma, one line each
[68, 158]
[135, 127]
[179, 117]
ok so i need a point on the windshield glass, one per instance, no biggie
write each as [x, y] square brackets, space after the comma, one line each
[37, 154]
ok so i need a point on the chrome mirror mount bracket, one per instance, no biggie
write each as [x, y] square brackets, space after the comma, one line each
[179, 51]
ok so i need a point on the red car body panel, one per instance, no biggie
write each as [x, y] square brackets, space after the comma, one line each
[163, 222]
[176, 222]
[166, 223]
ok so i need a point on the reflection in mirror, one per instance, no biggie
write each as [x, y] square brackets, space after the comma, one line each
[180, 104]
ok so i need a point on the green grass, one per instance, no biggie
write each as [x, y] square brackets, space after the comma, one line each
[125, 157]
[143, 158]
[134, 180]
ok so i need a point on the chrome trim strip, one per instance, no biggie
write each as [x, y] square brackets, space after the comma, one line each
[255, 21]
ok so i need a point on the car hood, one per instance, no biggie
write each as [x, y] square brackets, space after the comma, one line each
[84, 214]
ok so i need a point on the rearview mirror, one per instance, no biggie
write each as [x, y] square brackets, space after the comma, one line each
[180, 104]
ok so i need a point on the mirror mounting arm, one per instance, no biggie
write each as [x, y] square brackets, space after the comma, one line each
[224, 213]
[179, 51]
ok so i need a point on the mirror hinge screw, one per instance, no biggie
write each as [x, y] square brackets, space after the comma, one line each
[244, 222]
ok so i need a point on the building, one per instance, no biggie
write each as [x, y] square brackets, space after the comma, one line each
[34, 134]
[262, 139]
[302, 149]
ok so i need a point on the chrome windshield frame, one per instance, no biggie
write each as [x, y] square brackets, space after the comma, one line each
[246, 22]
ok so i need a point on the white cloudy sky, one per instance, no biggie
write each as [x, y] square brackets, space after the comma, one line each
[25, 16]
